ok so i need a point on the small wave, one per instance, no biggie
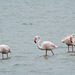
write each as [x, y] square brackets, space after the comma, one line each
[27, 23]
[5, 58]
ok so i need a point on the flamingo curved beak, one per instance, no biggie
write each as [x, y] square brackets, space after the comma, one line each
[35, 40]
[71, 40]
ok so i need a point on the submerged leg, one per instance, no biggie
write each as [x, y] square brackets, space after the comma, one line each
[52, 52]
[2, 56]
[72, 48]
[68, 48]
[46, 52]
[7, 55]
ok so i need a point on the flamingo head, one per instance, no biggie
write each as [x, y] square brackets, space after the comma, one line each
[36, 37]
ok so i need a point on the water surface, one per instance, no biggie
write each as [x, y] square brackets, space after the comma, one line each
[21, 21]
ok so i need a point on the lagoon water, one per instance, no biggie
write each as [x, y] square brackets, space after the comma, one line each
[21, 21]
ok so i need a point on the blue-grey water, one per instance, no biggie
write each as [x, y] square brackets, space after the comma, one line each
[21, 21]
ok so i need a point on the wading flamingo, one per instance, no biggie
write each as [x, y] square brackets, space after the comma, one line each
[69, 40]
[4, 49]
[46, 45]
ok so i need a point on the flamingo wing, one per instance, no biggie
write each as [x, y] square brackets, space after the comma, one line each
[47, 45]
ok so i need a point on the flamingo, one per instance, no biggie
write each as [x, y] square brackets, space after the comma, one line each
[46, 45]
[4, 49]
[69, 40]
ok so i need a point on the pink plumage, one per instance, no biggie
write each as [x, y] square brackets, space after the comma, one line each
[4, 49]
[69, 40]
[46, 45]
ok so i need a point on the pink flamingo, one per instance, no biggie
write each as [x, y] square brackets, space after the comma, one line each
[46, 45]
[4, 49]
[69, 40]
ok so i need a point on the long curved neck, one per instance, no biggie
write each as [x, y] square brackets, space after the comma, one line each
[38, 43]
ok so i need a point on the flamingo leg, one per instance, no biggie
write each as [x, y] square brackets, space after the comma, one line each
[52, 52]
[72, 48]
[2, 56]
[68, 48]
[46, 52]
[7, 55]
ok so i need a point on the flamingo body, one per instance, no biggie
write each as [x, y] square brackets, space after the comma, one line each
[46, 45]
[67, 40]
[4, 49]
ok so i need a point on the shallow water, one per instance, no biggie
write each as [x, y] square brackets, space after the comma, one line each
[21, 21]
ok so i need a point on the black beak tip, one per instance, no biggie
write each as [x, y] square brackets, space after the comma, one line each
[35, 41]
